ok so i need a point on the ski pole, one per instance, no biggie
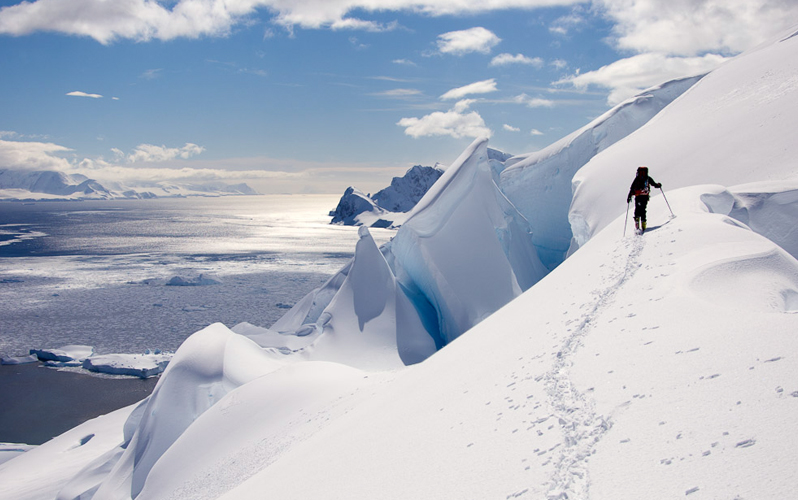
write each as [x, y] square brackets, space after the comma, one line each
[666, 202]
[626, 219]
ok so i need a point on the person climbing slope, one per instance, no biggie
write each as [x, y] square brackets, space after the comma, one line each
[640, 189]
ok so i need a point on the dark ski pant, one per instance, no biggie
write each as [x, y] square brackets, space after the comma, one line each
[640, 207]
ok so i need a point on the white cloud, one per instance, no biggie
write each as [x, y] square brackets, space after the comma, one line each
[78, 93]
[32, 155]
[463, 42]
[351, 23]
[483, 87]
[559, 64]
[404, 62]
[505, 59]
[454, 123]
[142, 20]
[535, 131]
[694, 27]
[510, 128]
[148, 153]
[399, 93]
[677, 27]
[565, 24]
[151, 74]
[534, 102]
[629, 76]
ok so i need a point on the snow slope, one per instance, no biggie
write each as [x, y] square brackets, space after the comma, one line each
[540, 182]
[730, 128]
[654, 366]
[589, 385]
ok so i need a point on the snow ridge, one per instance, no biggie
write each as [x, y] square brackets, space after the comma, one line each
[582, 427]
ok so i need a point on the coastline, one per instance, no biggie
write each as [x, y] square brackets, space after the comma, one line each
[38, 403]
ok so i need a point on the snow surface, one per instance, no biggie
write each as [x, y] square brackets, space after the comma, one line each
[653, 366]
[730, 128]
[540, 182]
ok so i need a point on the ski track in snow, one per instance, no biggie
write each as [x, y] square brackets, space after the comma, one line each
[581, 426]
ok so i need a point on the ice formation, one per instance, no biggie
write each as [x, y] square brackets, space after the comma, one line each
[540, 182]
[656, 363]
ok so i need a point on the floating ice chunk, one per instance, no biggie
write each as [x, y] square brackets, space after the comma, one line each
[201, 280]
[135, 365]
[66, 354]
[18, 360]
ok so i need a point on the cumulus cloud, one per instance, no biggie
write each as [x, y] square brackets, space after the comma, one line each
[456, 122]
[679, 27]
[677, 38]
[510, 128]
[78, 93]
[535, 131]
[149, 153]
[142, 20]
[483, 87]
[506, 59]
[694, 27]
[463, 42]
[32, 155]
[629, 76]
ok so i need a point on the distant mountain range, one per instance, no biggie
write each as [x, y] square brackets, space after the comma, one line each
[49, 184]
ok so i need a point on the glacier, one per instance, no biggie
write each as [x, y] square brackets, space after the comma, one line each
[469, 358]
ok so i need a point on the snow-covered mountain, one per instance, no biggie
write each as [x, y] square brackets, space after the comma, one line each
[450, 363]
[48, 184]
[388, 206]
[404, 192]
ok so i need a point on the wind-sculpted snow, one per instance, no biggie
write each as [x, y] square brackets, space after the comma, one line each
[463, 253]
[539, 183]
[369, 313]
[208, 365]
[727, 129]
[643, 366]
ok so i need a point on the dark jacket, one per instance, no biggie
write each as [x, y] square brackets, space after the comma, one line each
[641, 186]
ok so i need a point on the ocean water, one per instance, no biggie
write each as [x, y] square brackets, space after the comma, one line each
[98, 272]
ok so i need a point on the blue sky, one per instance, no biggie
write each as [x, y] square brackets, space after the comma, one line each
[313, 95]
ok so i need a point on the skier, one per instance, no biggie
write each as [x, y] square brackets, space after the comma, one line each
[640, 189]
